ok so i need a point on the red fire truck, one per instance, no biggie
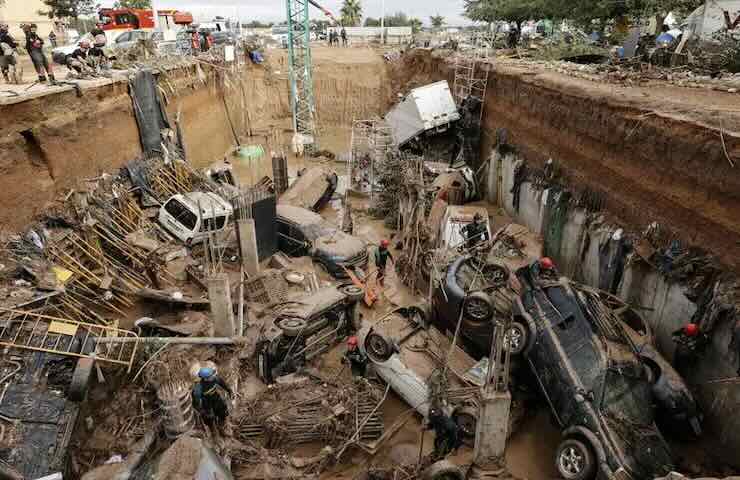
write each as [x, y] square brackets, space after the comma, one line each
[136, 19]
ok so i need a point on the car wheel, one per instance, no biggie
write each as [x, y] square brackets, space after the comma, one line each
[292, 327]
[495, 275]
[477, 308]
[353, 293]
[575, 460]
[466, 419]
[377, 347]
[443, 470]
[81, 377]
[515, 339]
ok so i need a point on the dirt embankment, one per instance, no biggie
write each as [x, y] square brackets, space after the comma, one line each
[50, 142]
[655, 153]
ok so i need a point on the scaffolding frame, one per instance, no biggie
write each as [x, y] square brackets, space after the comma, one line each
[371, 142]
[471, 67]
[301, 76]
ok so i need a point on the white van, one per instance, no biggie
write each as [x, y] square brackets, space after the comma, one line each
[189, 217]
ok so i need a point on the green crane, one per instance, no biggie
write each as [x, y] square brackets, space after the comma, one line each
[301, 66]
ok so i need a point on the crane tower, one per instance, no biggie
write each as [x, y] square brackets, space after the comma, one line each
[301, 78]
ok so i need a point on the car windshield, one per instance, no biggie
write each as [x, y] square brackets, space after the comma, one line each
[627, 395]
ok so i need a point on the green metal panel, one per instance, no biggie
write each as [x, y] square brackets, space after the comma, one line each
[301, 66]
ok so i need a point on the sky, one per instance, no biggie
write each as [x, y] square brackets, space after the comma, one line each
[274, 10]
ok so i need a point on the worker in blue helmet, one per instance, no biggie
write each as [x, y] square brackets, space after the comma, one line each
[207, 399]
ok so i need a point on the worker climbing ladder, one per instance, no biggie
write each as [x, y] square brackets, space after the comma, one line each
[301, 75]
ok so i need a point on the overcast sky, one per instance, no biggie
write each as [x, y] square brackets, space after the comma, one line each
[274, 10]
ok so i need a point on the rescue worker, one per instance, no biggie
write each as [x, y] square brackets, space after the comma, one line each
[8, 47]
[513, 39]
[688, 341]
[35, 47]
[99, 40]
[475, 232]
[545, 268]
[78, 60]
[356, 359]
[206, 398]
[446, 433]
[53, 39]
[382, 255]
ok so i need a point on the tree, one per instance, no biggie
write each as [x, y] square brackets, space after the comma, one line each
[68, 8]
[437, 20]
[351, 12]
[415, 25]
[371, 22]
[258, 24]
[143, 4]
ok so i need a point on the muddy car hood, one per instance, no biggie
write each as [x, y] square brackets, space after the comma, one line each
[339, 246]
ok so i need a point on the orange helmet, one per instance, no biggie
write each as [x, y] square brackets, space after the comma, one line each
[384, 243]
[691, 330]
[547, 263]
[352, 341]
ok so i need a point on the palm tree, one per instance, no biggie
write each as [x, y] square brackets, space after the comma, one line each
[351, 12]
[437, 21]
[415, 25]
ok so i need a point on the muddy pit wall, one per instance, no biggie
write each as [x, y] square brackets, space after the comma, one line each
[580, 255]
[646, 166]
[49, 143]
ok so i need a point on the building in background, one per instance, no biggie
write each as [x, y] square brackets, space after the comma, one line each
[17, 12]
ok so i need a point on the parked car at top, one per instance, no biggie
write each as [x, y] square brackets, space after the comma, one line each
[190, 217]
[598, 389]
[302, 232]
[407, 353]
[475, 293]
[307, 325]
[132, 38]
[312, 189]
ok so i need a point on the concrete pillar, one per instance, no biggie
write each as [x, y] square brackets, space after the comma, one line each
[280, 173]
[222, 310]
[490, 433]
[247, 233]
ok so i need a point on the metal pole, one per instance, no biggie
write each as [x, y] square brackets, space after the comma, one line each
[382, 22]
[155, 13]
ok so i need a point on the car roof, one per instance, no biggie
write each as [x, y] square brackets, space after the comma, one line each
[209, 202]
[299, 215]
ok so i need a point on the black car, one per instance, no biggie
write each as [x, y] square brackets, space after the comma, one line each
[303, 327]
[476, 294]
[598, 388]
[302, 232]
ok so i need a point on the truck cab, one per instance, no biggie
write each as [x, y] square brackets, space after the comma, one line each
[190, 217]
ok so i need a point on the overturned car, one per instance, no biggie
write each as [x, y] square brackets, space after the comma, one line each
[303, 327]
[411, 356]
[599, 390]
[475, 293]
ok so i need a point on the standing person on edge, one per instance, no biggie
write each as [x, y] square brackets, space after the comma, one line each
[8, 47]
[35, 47]
[382, 255]
[344, 37]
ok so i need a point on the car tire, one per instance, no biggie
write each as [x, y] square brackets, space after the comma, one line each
[353, 293]
[443, 470]
[292, 327]
[575, 460]
[477, 308]
[518, 335]
[81, 378]
[496, 275]
[377, 347]
[466, 419]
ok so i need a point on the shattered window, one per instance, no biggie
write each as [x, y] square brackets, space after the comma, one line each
[181, 213]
